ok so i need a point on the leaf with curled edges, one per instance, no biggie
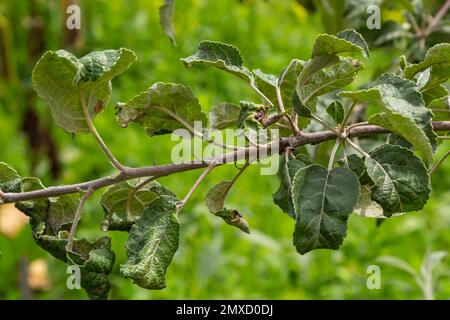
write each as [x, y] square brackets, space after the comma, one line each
[327, 80]
[50, 221]
[323, 200]
[10, 181]
[222, 56]
[215, 201]
[224, 115]
[401, 180]
[163, 108]
[249, 115]
[115, 200]
[438, 59]
[344, 42]
[152, 243]
[96, 261]
[404, 111]
[60, 78]
[326, 51]
[166, 11]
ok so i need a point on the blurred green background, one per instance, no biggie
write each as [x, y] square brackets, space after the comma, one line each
[214, 261]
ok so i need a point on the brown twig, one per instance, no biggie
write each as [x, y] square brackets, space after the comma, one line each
[168, 169]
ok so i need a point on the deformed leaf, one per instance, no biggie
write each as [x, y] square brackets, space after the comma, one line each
[215, 201]
[355, 38]
[249, 114]
[233, 218]
[336, 111]
[96, 261]
[322, 200]
[62, 81]
[10, 181]
[327, 80]
[102, 66]
[166, 11]
[344, 42]
[163, 108]
[152, 243]
[405, 113]
[50, 220]
[115, 201]
[224, 115]
[439, 54]
[401, 180]
[220, 55]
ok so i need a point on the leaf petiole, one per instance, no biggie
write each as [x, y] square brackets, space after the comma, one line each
[115, 163]
[356, 147]
[436, 166]
[333, 153]
[77, 218]
[196, 184]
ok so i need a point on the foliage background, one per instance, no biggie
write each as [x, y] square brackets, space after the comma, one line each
[214, 260]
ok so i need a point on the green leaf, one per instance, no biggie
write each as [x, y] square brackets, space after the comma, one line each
[282, 197]
[439, 74]
[222, 56]
[249, 113]
[406, 128]
[96, 261]
[356, 164]
[355, 38]
[102, 66]
[215, 198]
[163, 108]
[366, 207]
[345, 42]
[215, 201]
[114, 202]
[435, 93]
[152, 243]
[300, 109]
[166, 19]
[335, 77]
[441, 108]
[50, 220]
[266, 83]
[405, 113]
[336, 111]
[401, 180]
[287, 81]
[60, 78]
[224, 115]
[10, 181]
[437, 55]
[314, 65]
[323, 200]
